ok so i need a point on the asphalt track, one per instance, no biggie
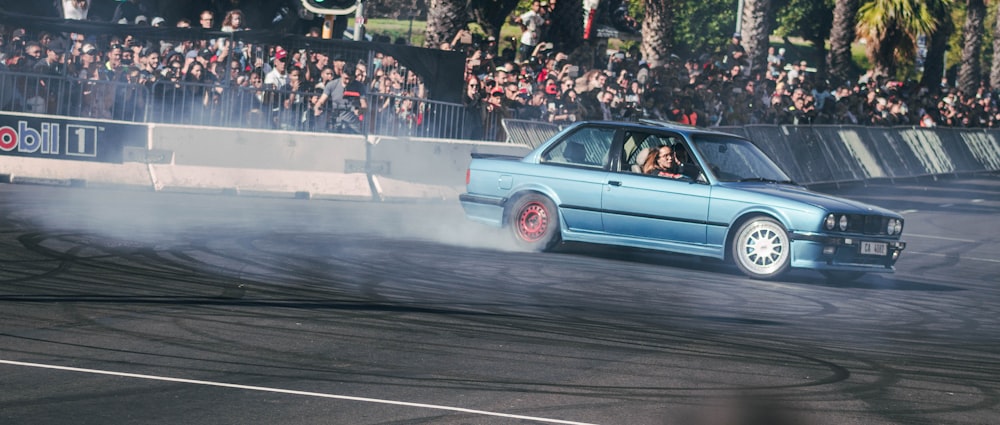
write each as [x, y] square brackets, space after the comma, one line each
[123, 307]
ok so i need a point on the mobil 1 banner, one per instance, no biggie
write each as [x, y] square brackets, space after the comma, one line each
[38, 136]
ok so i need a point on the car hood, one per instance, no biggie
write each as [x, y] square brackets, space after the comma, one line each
[821, 200]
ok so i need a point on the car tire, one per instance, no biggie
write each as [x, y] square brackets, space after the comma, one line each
[534, 221]
[761, 248]
[836, 276]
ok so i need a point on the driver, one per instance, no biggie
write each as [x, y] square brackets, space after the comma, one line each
[662, 163]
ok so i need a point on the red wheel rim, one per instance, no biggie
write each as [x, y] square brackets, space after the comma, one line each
[532, 222]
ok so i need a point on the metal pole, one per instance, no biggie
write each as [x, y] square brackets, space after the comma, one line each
[359, 19]
[328, 26]
[739, 17]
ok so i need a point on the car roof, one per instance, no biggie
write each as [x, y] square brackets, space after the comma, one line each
[660, 125]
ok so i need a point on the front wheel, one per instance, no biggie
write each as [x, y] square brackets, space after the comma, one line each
[534, 221]
[761, 248]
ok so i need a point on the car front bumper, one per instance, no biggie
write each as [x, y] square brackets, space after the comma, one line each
[845, 252]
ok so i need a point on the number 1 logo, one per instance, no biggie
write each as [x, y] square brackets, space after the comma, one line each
[81, 140]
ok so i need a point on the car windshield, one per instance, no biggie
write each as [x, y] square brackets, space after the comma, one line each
[731, 160]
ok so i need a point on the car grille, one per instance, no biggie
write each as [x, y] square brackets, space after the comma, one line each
[868, 224]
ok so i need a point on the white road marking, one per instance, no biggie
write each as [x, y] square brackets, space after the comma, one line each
[292, 392]
[947, 205]
[944, 238]
[961, 257]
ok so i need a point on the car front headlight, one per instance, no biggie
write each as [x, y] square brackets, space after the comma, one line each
[843, 223]
[899, 227]
[891, 227]
[830, 221]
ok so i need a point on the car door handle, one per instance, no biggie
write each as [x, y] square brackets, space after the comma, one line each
[614, 182]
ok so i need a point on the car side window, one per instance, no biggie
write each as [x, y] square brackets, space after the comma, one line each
[637, 146]
[587, 147]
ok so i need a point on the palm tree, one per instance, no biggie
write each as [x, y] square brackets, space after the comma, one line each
[757, 23]
[444, 19]
[491, 14]
[657, 31]
[839, 60]
[937, 45]
[566, 30]
[995, 70]
[970, 72]
[890, 29]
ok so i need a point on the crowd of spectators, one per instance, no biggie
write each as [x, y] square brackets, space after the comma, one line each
[216, 81]
[538, 82]
[219, 81]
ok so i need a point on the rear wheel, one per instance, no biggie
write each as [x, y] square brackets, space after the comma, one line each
[761, 248]
[534, 221]
[841, 276]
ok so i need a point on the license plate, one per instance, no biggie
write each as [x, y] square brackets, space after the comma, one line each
[874, 248]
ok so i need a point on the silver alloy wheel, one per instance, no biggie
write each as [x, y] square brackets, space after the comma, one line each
[761, 248]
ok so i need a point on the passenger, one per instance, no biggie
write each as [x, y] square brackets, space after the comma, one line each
[662, 164]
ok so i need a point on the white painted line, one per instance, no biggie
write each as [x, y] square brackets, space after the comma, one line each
[908, 211]
[939, 237]
[292, 392]
[946, 205]
[960, 257]
[976, 201]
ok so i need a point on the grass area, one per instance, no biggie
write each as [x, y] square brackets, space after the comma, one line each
[413, 31]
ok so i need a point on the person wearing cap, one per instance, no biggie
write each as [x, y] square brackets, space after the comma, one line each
[53, 63]
[158, 22]
[87, 57]
[493, 114]
[278, 77]
[141, 20]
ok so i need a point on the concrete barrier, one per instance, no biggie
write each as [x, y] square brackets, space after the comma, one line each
[260, 161]
[58, 150]
[408, 168]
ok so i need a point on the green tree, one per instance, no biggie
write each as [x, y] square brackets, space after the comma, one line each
[758, 21]
[890, 29]
[491, 14]
[839, 61]
[701, 27]
[995, 70]
[657, 31]
[444, 19]
[937, 44]
[970, 71]
[812, 20]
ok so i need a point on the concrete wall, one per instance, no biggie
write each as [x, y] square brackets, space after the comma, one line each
[312, 165]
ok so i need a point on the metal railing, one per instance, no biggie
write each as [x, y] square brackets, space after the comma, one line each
[226, 104]
[72, 96]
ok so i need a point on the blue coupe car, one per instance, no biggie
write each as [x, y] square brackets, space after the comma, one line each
[719, 197]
